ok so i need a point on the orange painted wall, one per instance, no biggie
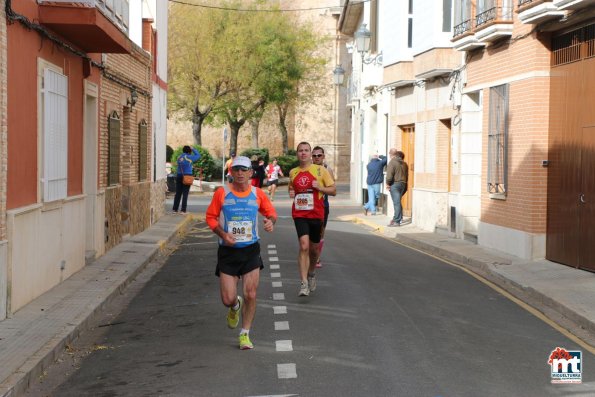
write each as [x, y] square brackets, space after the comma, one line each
[24, 49]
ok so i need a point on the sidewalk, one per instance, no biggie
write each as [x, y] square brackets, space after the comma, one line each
[564, 294]
[35, 335]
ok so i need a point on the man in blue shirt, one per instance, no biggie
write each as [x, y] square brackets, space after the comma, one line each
[189, 155]
[374, 181]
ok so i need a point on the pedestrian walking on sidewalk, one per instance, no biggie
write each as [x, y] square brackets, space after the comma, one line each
[233, 216]
[189, 155]
[318, 157]
[397, 172]
[374, 181]
[307, 187]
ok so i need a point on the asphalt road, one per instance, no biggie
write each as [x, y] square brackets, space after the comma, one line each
[384, 321]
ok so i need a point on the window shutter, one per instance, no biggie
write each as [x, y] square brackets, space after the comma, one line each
[114, 149]
[142, 151]
[55, 135]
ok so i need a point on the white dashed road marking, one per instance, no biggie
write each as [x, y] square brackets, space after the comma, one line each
[273, 259]
[274, 267]
[281, 325]
[275, 275]
[283, 346]
[280, 309]
[286, 371]
[278, 296]
[272, 252]
[277, 284]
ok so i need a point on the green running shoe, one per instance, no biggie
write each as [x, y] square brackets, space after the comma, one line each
[245, 343]
[233, 316]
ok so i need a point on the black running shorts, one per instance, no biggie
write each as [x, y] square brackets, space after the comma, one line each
[309, 226]
[238, 261]
[273, 182]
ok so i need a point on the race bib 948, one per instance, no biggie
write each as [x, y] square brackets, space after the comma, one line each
[241, 230]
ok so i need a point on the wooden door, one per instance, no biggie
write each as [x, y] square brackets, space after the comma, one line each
[586, 201]
[408, 147]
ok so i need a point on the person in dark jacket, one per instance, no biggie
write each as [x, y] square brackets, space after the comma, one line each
[374, 181]
[258, 172]
[189, 155]
[397, 172]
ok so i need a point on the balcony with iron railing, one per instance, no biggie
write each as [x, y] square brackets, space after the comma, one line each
[92, 25]
[537, 11]
[464, 27]
[494, 20]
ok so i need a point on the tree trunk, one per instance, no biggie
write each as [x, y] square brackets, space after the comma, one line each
[282, 110]
[197, 120]
[254, 123]
[233, 140]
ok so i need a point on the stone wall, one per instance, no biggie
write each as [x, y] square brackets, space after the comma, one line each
[113, 217]
[158, 189]
[136, 207]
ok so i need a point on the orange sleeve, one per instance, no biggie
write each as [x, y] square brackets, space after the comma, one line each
[265, 206]
[214, 209]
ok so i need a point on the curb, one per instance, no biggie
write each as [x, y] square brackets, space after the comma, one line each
[18, 382]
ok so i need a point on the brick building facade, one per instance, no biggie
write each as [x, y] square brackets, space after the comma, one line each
[127, 189]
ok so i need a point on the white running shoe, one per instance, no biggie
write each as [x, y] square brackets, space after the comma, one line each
[304, 290]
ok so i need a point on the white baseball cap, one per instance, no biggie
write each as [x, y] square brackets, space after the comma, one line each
[241, 161]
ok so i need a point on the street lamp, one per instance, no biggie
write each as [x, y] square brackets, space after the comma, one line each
[362, 39]
[362, 42]
[338, 75]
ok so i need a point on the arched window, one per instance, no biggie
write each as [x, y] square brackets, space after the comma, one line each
[113, 167]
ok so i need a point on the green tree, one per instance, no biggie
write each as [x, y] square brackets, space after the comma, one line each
[198, 62]
[293, 71]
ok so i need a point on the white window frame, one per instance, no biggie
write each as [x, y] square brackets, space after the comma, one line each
[53, 100]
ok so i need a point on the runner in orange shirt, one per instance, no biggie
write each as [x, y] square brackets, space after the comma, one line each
[233, 216]
[308, 185]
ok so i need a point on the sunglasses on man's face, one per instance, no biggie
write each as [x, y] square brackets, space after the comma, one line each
[240, 168]
[318, 155]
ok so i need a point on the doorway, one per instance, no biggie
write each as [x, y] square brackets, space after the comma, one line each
[90, 170]
[408, 147]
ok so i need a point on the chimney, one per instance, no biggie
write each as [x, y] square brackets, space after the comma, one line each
[147, 33]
